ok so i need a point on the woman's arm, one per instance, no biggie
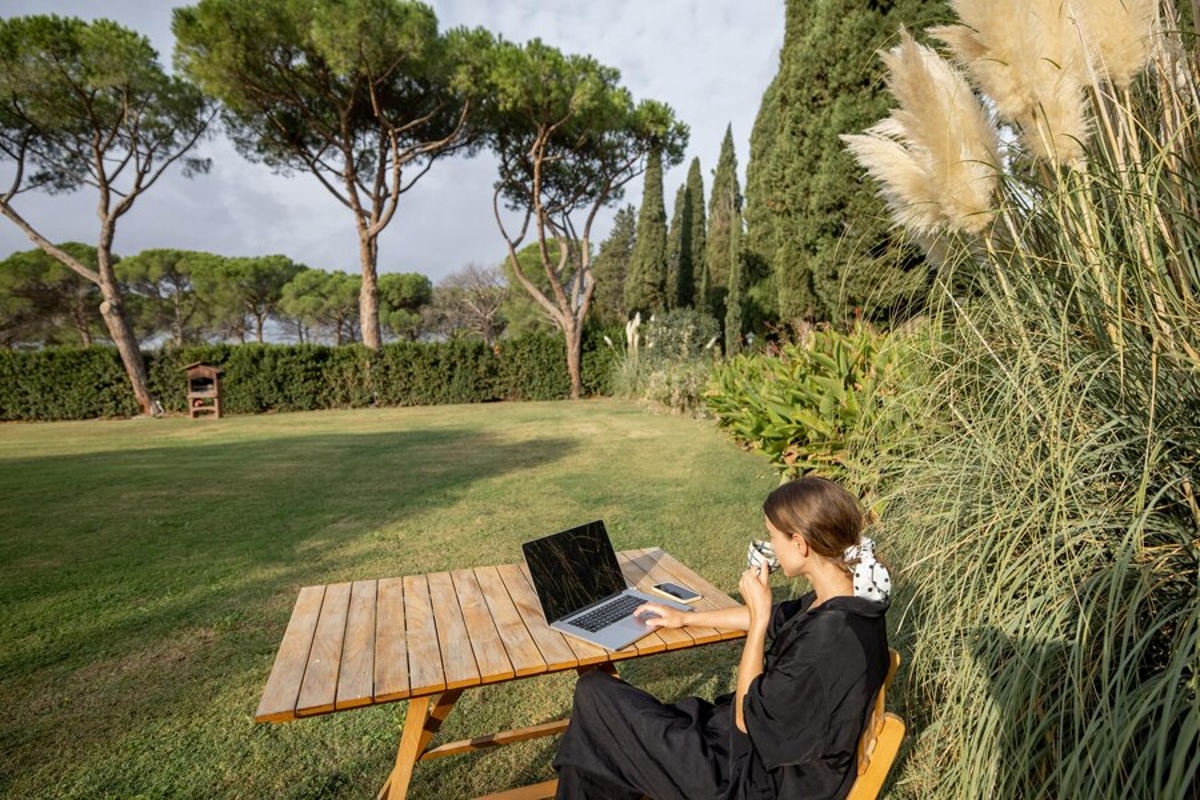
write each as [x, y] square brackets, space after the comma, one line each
[754, 588]
[734, 617]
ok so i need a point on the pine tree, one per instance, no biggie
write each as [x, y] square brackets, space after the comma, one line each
[725, 202]
[679, 246]
[736, 297]
[833, 249]
[697, 230]
[645, 283]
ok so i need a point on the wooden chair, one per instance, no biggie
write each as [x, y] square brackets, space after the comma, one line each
[879, 743]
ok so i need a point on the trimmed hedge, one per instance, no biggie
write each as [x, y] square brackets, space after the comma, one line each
[81, 383]
[64, 383]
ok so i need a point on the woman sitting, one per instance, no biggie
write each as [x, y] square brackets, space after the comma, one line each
[791, 728]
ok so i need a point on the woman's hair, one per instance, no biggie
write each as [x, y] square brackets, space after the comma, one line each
[826, 515]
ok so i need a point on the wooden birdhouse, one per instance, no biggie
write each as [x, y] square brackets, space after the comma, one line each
[204, 390]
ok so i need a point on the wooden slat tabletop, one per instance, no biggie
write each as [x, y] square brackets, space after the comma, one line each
[425, 673]
[369, 642]
[391, 646]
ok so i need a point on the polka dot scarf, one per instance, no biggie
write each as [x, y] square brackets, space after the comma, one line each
[871, 579]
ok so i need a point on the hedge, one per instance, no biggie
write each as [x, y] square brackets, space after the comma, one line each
[80, 383]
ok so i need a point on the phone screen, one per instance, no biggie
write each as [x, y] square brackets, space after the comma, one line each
[675, 590]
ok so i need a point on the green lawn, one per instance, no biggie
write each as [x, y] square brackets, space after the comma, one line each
[150, 567]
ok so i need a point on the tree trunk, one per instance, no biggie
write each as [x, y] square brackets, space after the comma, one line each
[573, 334]
[368, 298]
[112, 309]
[178, 307]
[79, 318]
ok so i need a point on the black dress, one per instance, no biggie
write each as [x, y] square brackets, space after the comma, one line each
[803, 715]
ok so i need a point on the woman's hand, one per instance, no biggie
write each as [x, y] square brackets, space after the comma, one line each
[656, 615]
[757, 594]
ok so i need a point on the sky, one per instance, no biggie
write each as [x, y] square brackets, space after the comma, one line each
[710, 60]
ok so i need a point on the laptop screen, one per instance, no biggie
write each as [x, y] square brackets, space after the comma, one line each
[573, 569]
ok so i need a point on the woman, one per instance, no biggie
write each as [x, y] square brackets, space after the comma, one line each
[791, 728]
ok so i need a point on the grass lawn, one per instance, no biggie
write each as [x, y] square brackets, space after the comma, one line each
[150, 567]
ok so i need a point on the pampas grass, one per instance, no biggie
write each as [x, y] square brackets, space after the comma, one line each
[1051, 518]
[937, 156]
[1118, 35]
[1027, 57]
[1036, 59]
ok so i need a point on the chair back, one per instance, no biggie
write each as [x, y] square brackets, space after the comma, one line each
[880, 740]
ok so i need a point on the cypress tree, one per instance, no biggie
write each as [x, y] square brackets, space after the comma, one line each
[833, 246]
[679, 246]
[725, 202]
[697, 231]
[761, 219]
[645, 283]
[611, 266]
[736, 298]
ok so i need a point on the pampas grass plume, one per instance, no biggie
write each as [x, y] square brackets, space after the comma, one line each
[1027, 56]
[937, 155]
[1118, 35]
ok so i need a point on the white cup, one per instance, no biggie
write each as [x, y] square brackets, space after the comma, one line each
[761, 554]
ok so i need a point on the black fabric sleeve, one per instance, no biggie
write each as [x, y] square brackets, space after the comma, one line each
[786, 714]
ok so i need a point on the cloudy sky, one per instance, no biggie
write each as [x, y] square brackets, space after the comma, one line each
[710, 60]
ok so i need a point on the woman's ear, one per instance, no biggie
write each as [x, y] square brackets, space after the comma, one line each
[800, 542]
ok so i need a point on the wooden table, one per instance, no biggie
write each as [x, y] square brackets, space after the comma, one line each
[427, 638]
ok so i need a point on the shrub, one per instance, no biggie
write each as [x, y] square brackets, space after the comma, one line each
[668, 363]
[815, 405]
[601, 356]
[682, 334]
[679, 386]
[64, 383]
[533, 367]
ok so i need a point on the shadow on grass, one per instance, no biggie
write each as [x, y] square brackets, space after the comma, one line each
[138, 583]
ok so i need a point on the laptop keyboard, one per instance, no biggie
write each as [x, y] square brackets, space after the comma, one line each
[607, 614]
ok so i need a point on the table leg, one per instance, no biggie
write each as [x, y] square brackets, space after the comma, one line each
[425, 716]
[606, 666]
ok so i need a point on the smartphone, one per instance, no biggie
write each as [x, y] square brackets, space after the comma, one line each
[676, 592]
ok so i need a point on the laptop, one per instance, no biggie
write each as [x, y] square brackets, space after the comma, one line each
[582, 590]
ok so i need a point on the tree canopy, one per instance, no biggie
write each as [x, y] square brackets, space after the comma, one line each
[698, 230]
[470, 302]
[319, 302]
[568, 138]
[402, 295]
[42, 301]
[832, 246]
[724, 206]
[363, 95]
[161, 281]
[679, 245]
[611, 266]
